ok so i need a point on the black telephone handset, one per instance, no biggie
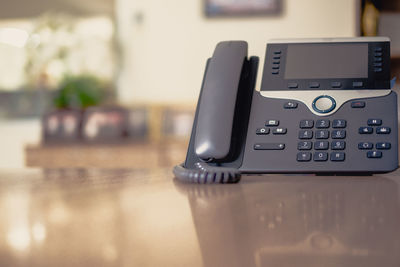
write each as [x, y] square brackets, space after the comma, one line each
[221, 116]
[325, 106]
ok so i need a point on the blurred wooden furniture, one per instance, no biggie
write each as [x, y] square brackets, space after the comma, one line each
[136, 155]
[112, 218]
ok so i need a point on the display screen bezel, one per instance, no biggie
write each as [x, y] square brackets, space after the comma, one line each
[374, 80]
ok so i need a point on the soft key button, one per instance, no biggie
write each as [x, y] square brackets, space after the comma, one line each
[323, 104]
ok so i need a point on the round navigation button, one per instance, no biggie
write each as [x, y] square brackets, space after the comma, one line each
[324, 104]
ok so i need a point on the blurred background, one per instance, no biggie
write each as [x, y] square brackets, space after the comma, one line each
[114, 83]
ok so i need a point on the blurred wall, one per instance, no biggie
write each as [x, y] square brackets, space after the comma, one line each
[165, 43]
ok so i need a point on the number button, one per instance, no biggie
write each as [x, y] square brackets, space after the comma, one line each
[322, 134]
[337, 156]
[305, 134]
[303, 156]
[338, 145]
[322, 124]
[304, 145]
[338, 134]
[320, 156]
[321, 145]
[306, 124]
[339, 124]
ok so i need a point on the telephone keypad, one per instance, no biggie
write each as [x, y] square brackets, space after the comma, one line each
[321, 146]
[383, 145]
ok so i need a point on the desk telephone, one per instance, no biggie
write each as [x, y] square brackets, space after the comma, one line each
[325, 107]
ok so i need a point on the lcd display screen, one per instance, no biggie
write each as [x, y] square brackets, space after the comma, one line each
[326, 61]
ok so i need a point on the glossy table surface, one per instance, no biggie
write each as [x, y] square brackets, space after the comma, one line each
[90, 217]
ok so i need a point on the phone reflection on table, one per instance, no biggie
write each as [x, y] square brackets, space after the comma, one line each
[291, 221]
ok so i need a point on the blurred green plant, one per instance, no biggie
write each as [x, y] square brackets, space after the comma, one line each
[80, 92]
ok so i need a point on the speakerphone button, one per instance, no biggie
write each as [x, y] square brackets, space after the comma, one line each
[383, 145]
[324, 104]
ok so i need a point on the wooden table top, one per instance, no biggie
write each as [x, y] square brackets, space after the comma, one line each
[94, 217]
